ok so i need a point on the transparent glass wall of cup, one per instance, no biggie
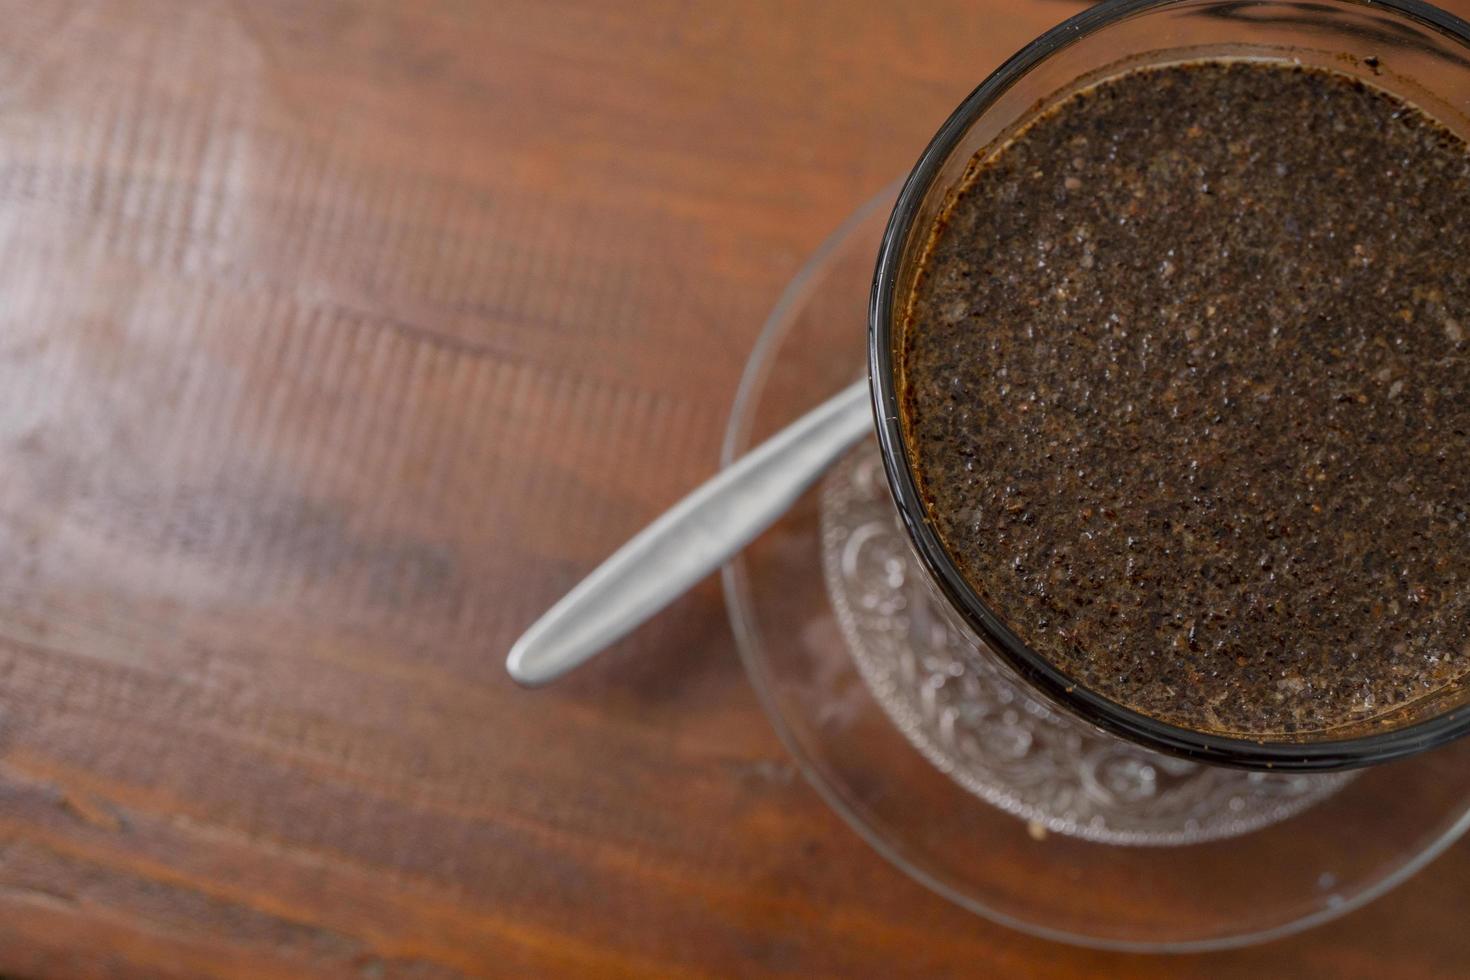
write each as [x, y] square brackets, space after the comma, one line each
[1411, 49]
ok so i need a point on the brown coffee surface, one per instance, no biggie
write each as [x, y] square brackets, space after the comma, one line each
[1185, 387]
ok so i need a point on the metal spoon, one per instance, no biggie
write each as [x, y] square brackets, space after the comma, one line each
[691, 540]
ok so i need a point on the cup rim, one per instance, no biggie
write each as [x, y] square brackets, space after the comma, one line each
[1212, 748]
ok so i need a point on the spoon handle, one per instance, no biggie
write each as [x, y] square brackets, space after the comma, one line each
[696, 537]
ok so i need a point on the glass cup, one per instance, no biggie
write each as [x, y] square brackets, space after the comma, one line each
[1411, 49]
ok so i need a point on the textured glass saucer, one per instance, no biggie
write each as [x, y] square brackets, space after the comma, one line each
[953, 771]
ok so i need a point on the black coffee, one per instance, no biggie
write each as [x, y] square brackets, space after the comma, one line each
[1186, 381]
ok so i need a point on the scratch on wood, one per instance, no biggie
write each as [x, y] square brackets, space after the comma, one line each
[94, 812]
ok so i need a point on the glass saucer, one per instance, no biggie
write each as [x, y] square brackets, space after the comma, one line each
[952, 770]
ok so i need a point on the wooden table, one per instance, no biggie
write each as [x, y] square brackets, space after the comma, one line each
[339, 339]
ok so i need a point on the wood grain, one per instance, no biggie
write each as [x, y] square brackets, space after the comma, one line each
[337, 341]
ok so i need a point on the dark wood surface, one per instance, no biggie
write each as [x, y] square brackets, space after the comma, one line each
[337, 341]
